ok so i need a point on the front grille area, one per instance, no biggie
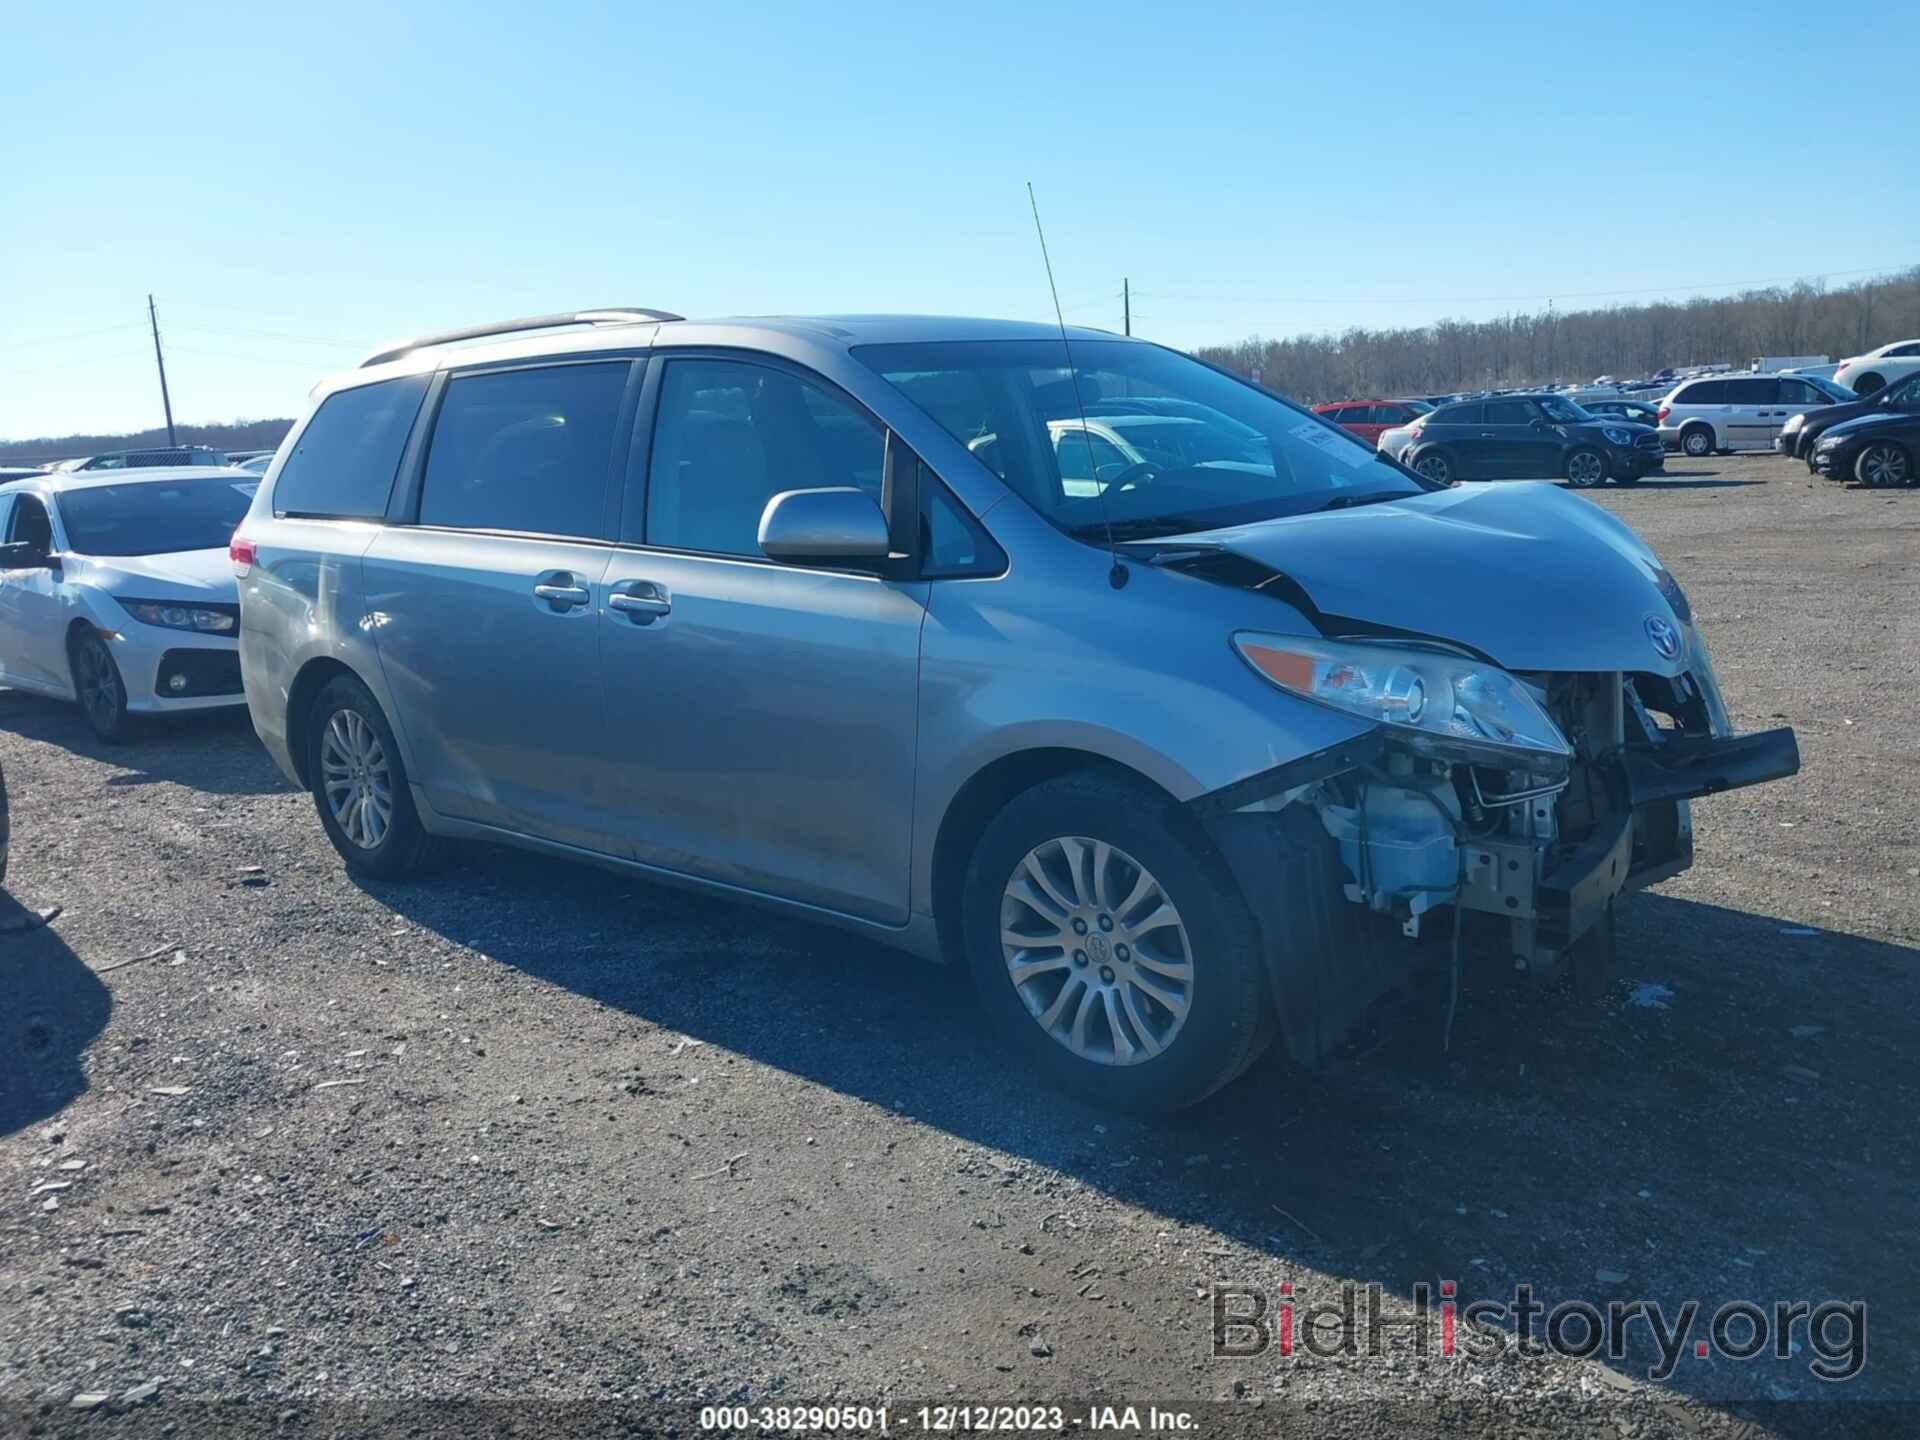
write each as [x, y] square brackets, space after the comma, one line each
[189, 674]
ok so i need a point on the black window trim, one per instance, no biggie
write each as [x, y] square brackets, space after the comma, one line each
[403, 509]
[399, 472]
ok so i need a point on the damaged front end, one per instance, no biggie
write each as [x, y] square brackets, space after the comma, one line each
[1541, 831]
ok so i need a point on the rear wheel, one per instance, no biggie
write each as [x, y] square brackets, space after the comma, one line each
[1111, 948]
[1435, 466]
[1883, 465]
[1697, 441]
[1586, 469]
[1869, 383]
[359, 784]
[97, 685]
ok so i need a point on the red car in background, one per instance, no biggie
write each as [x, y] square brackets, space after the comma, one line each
[1370, 419]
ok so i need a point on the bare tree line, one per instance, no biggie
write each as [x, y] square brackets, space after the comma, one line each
[239, 435]
[1626, 341]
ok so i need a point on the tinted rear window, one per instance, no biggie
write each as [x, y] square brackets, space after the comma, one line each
[525, 450]
[1752, 392]
[343, 464]
[1456, 415]
[1706, 392]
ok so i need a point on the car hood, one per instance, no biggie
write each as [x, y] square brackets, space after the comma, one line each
[1872, 420]
[1526, 574]
[182, 575]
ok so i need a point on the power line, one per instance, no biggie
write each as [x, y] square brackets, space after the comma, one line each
[71, 335]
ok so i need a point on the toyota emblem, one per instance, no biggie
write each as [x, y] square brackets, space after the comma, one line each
[1665, 637]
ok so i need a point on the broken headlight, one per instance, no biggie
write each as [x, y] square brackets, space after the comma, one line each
[1447, 705]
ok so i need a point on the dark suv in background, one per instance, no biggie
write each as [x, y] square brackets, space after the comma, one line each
[1802, 432]
[1529, 437]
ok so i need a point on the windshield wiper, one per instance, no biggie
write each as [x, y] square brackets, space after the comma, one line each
[1370, 497]
[1144, 528]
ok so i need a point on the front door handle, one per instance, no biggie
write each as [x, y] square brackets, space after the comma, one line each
[561, 591]
[641, 601]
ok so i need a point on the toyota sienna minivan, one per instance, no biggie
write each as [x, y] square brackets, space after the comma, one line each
[1209, 747]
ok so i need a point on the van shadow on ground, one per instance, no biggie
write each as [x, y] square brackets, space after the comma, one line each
[1560, 1139]
[52, 1007]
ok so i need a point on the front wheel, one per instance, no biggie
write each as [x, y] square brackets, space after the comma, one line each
[359, 784]
[1883, 466]
[1586, 469]
[1111, 948]
[97, 685]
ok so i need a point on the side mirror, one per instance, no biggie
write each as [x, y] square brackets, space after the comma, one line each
[24, 555]
[836, 525]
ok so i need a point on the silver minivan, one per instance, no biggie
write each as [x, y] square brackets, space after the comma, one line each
[1215, 743]
[1736, 412]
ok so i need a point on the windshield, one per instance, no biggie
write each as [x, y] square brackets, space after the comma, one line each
[1565, 411]
[155, 517]
[1172, 445]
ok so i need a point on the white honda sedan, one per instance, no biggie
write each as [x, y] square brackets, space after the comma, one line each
[116, 591]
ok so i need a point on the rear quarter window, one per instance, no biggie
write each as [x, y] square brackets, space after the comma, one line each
[1705, 392]
[343, 464]
[1456, 415]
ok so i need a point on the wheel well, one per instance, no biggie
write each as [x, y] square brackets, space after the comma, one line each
[982, 798]
[1873, 380]
[75, 629]
[300, 697]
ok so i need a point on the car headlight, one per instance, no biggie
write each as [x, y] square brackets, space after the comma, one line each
[1794, 423]
[1448, 705]
[183, 615]
[1616, 436]
[1828, 442]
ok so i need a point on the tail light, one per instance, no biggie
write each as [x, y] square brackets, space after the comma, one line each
[1662, 413]
[241, 551]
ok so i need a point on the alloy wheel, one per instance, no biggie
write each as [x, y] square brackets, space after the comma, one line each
[1096, 951]
[357, 778]
[1884, 466]
[1584, 468]
[99, 682]
[1435, 468]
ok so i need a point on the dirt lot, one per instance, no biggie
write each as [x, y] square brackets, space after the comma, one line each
[534, 1131]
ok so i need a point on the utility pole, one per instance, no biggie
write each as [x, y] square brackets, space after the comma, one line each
[160, 360]
[1126, 307]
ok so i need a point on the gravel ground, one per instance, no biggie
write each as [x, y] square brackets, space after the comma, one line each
[531, 1131]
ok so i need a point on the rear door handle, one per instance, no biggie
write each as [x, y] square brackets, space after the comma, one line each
[641, 601]
[561, 591]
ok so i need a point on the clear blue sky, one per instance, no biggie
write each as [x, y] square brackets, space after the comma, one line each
[296, 184]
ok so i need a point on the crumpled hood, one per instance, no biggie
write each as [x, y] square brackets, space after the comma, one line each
[183, 575]
[1525, 573]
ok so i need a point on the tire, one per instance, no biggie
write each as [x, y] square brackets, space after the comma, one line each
[1436, 466]
[97, 686]
[1883, 465]
[1110, 1040]
[6, 828]
[1696, 441]
[351, 754]
[1869, 384]
[1586, 469]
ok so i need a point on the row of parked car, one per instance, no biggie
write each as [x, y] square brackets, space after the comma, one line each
[1590, 438]
[1150, 697]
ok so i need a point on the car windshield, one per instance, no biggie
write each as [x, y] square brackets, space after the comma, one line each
[1199, 449]
[155, 517]
[1564, 411]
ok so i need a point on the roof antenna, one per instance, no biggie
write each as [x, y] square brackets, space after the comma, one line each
[1117, 576]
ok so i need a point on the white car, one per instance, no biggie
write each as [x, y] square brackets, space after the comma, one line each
[1864, 374]
[116, 591]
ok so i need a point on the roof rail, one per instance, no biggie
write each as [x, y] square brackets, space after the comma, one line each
[607, 315]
